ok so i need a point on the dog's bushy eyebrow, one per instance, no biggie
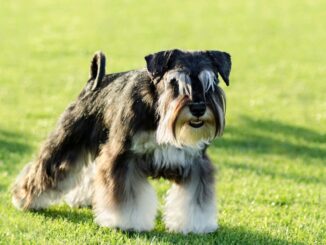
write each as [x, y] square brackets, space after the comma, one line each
[183, 80]
[208, 79]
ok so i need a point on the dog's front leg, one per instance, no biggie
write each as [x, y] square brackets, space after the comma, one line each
[123, 197]
[190, 205]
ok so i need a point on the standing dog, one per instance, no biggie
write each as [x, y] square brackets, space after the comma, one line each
[127, 126]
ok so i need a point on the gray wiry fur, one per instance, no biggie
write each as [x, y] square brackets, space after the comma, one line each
[126, 127]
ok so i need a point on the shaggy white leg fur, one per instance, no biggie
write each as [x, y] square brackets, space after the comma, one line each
[54, 195]
[82, 194]
[44, 200]
[137, 211]
[185, 211]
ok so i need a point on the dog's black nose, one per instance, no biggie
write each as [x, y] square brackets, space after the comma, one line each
[197, 109]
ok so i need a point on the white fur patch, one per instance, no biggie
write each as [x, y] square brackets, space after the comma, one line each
[136, 213]
[53, 196]
[82, 194]
[44, 200]
[144, 142]
[169, 156]
[184, 214]
[164, 134]
[164, 155]
[208, 80]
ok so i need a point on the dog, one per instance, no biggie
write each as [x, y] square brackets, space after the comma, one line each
[125, 127]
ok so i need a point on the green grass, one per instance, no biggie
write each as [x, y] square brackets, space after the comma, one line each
[272, 157]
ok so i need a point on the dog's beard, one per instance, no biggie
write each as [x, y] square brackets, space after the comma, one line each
[175, 126]
[188, 135]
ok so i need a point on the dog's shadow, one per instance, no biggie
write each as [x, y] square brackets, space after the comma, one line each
[273, 137]
[261, 138]
[73, 215]
[224, 235]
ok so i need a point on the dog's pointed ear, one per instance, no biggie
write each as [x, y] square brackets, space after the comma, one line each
[222, 61]
[97, 69]
[158, 63]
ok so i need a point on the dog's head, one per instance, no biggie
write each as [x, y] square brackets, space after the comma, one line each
[191, 105]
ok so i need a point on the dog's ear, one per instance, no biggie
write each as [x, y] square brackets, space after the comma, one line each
[222, 61]
[97, 69]
[158, 63]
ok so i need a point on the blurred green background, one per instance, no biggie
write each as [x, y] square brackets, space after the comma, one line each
[272, 157]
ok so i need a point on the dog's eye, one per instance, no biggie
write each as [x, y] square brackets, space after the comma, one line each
[173, 82]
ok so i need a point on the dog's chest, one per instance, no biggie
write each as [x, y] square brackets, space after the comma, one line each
[166, 160]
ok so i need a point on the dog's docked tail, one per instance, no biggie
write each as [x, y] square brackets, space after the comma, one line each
[97, 69]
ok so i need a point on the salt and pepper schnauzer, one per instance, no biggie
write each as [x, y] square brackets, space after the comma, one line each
[128, 126]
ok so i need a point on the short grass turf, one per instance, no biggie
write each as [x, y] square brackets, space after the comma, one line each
[272, 157]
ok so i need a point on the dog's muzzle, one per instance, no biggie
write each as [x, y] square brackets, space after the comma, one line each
[197, 109]
[194, 123]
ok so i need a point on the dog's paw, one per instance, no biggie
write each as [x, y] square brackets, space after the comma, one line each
[19, 193]
[18, 201]
[106, 219]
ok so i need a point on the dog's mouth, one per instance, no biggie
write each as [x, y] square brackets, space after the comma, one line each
[196, 123]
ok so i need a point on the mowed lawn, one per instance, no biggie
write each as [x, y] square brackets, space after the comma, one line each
[272, 158]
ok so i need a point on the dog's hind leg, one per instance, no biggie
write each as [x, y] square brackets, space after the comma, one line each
[35, 189]
[73, 144]
[58, 166]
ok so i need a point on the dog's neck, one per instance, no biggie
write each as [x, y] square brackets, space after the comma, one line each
[146, 143]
